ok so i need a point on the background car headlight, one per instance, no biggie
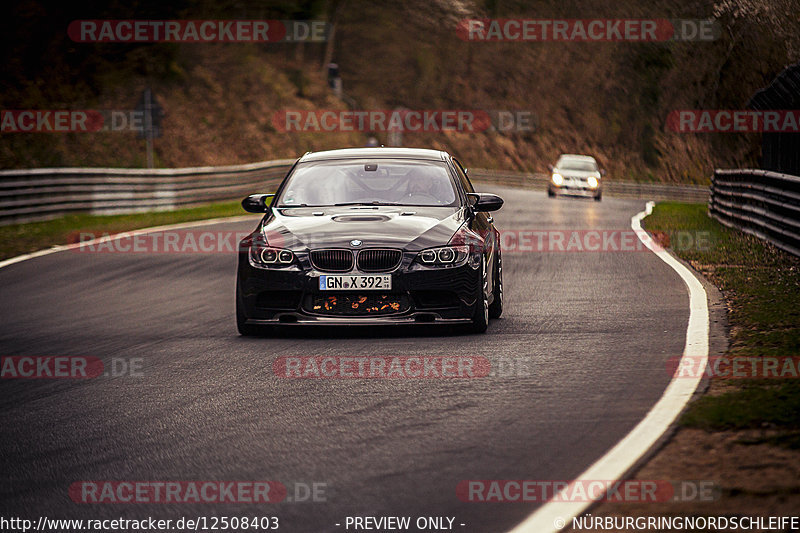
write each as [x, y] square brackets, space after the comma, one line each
[557, 179]
[592, 182]
[262, 256]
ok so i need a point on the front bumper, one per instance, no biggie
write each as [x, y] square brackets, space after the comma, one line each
[576, 186]
[296, 319]
[425, 296]
[575, 190]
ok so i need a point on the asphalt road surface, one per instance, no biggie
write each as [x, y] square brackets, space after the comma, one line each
[583, 342]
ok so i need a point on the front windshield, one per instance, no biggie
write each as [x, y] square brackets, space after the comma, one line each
[577, 164]
[383, 181]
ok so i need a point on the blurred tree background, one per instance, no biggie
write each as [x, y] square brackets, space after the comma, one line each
[609, 99]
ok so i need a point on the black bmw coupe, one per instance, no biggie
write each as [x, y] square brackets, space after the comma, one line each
[371, 236]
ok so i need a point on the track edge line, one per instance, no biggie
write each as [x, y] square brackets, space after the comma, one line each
[555, 516]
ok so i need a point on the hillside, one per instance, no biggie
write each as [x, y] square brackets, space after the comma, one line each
[610, 99]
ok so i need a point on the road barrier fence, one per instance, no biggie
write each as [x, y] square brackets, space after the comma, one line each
[623, 189]
[39, 194]
[759, 202]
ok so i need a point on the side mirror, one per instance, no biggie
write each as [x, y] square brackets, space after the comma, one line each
[550, 168]
[257, 203]
[484, 202]
[603, 172]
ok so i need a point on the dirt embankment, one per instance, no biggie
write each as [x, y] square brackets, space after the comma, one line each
[609, 99]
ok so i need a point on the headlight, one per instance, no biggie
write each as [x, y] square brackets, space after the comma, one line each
[263, 256]
[443, 256]
[465, 246]
[557, 179]
[592, 182]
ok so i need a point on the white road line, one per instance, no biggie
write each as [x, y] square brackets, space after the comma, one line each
[132, 233]
[557, 515]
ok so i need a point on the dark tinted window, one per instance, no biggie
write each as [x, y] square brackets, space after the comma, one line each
[382, 181]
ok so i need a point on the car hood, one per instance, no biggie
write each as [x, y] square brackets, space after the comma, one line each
[412, 228]
[577, 173]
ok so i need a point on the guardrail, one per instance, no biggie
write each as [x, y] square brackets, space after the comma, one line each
[624, 189]
[40, 194]
[759, 202]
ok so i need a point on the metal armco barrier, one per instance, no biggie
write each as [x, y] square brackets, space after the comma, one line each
[624, 189]
[40, 194]
[760, 202]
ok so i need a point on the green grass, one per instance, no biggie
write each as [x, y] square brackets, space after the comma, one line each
[24, 238]
[753, 405]
[761, 285]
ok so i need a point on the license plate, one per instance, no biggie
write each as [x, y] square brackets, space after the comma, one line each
[355, 283]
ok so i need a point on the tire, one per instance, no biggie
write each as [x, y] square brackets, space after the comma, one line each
[551, 193]
[496, 307]
[598, 197]
[480, 317]
[245, 329]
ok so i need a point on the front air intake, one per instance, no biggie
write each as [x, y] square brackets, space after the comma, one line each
[332, 260]
[378, 260]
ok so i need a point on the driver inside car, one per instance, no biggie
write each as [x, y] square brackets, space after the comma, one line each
[422, 186]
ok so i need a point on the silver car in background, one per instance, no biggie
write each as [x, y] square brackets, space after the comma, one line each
[576, 175]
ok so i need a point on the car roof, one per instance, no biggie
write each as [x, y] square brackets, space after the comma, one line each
[375, 153]
[576, 156]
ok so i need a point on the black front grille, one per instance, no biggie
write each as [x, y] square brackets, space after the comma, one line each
[348, 304]
[332, 260]
[378, 260]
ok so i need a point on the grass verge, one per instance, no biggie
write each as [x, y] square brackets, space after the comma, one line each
[761, 286]
[20, 239]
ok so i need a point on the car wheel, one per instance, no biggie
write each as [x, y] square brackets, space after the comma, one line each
[480, 317]
[496, 307]
[248, 330]
[598, 197]
[551, 193]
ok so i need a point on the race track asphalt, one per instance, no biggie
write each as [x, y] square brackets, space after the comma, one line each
[583, 344]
